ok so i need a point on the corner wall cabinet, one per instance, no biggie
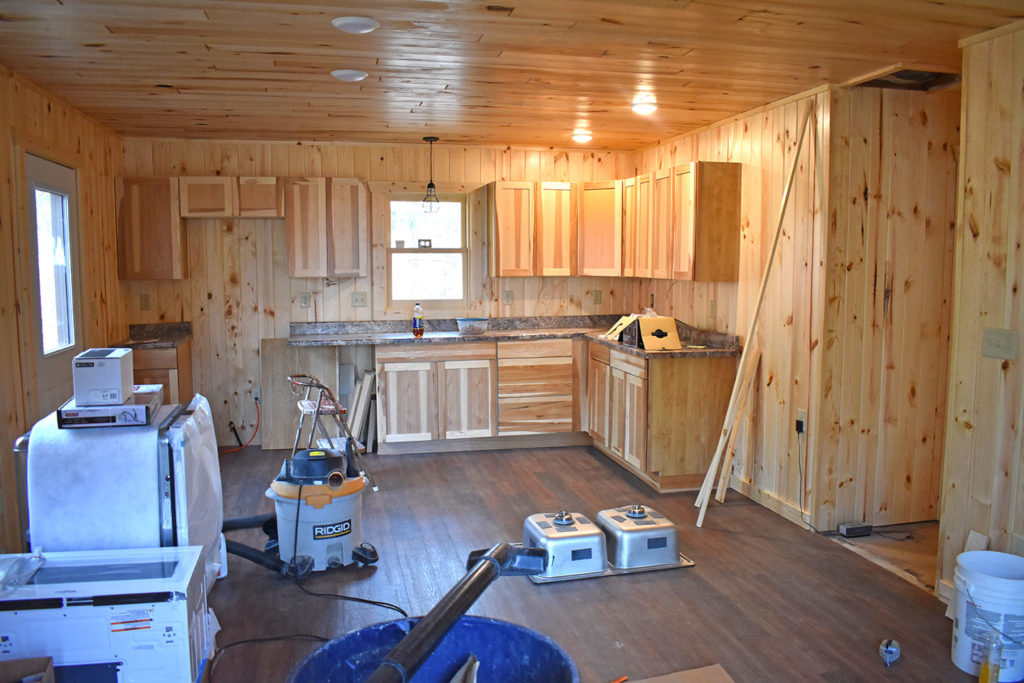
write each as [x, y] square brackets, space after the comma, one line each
[659, 417]
[151, 238]
[706, 217]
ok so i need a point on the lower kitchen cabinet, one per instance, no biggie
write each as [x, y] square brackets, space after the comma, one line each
[660, 417]
[169, 366]
[535, 387]
[427, 392]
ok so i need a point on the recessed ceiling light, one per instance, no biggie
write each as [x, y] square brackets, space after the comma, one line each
[644, 103]
[355, 24]
[350, 75]
[580, 135]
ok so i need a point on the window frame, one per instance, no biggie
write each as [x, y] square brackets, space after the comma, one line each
[432, 306]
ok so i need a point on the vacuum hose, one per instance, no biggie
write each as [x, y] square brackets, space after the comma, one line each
[260, 558]
[504, 559]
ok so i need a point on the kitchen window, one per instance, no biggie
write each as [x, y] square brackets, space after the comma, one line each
[427, 253]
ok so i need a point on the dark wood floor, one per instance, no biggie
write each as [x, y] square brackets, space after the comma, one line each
[766, 599]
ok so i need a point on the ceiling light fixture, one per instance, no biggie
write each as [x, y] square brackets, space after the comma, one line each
[644, 103]
[355, 24]
[581, 135]
[349, 75]
[430, 203]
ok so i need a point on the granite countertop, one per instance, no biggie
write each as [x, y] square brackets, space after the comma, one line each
[696, 343]
[156, 335]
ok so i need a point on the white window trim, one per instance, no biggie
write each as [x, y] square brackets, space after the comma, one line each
[434, 307]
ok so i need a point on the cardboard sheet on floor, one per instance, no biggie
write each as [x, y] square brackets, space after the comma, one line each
[706, 674]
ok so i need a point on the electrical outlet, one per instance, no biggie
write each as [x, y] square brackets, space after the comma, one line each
[801, 421]
[507, 297]
[998, 343]
[358, 299]
[713, 309]
[304, 300]
[256, 394]
[597, 296]
[144, 301]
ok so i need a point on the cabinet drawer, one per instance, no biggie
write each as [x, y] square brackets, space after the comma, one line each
[148, 359]
[534, 377]
[535, 348]
[628, 363]
[599, 352]
[534, 416]
[456, 351]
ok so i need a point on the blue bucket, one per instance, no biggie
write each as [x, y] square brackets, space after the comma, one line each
[507, 653]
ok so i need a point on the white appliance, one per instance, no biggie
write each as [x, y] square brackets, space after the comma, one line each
[121, 616]
[103, 377]
[128, 487]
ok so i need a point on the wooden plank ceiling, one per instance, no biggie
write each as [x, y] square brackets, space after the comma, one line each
[525, 72]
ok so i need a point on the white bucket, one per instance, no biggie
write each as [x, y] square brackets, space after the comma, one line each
[989, 596]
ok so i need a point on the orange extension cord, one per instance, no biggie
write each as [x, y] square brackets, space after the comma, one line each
[254, 432]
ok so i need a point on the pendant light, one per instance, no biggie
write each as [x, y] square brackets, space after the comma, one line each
[430, 203]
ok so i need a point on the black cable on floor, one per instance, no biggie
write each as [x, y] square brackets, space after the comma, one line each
[350, 598]
[294, 636]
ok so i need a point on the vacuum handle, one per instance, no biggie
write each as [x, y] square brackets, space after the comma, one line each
[406, 658]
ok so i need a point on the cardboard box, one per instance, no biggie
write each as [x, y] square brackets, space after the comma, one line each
[138, 411]
[103, 377]
[32, 669]
[707, 674]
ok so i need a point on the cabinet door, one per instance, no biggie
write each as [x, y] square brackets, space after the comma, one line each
[151, 238]
[260, 197]
[629, 227]
[349, 249]
[208, 197]
[682, 222]
[634, 440]
[512, 229]
[616, 411]
[556, 229]
[643, 227]
[468, 398]
[598, 380]
[661, 224]
[600, 228]
[716, 221]
[408, 394]
[306, 226]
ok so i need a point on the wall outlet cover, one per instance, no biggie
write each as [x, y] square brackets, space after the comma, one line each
[597, 297]
[304, 299]
[358, 299]
[999, 343]
[507, 297]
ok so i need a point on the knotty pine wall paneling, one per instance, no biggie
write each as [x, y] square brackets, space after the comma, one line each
[982, 477]
[240, 293]
[31, 120]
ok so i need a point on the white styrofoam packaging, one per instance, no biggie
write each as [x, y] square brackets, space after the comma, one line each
[103, 377]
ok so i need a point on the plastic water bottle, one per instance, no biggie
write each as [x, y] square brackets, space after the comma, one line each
[417, 320]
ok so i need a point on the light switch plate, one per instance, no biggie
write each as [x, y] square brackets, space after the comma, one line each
[144, 302]
[358, 299]
[304, 299]
[597, 297]
[999, 343]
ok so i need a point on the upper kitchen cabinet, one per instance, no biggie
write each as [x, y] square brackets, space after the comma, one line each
[512, 228]
[151, 239]
[208, 197]
[600, 228]
[629, 225]
[260, 197]
[306, 226]
[642, 266]
[349, 254]
[661, 224]
[555, 243]
[706, 218]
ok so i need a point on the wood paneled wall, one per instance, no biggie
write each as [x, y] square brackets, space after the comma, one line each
[33, 121]
[765, 143]
[239, 291]
[853, 330]
[878, 435]
[982, 478]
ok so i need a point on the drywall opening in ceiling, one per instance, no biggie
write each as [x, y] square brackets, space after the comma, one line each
[912, 79]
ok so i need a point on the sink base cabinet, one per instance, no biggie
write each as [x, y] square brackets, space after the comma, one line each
[658, 417]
